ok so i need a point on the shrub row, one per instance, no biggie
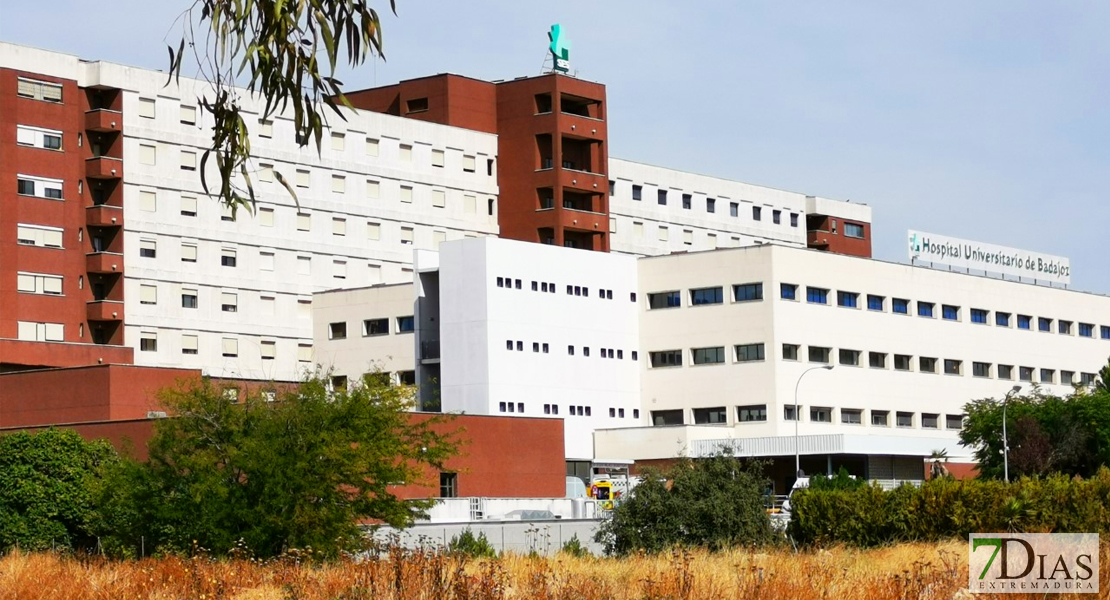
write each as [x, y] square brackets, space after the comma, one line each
[947, 508]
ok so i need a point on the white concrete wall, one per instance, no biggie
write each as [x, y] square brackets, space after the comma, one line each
[638, 222]
[360, 353]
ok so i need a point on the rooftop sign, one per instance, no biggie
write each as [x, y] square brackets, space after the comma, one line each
[560, 48]
[976, 256]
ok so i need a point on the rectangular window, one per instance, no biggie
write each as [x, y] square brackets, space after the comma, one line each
[189, 344]
[448, 485]
[757, 213]
[230, 347]
[1025, 373]
[1067, 377]
[338, 184]
[853, 230]
[687, 237]
[751, 413]
[788, 291]
[304, 265]
[749, 352]
[148, 249]
[228, 257]
[1044, 324]
[925, 309]
[31, 283]
[229, 302]
[930, 421]
[710, 416]
[900, 306]
[876, 360]
[637, 192]
[875, 302]
[265, 128]
[1002, 319]
[188, 115]
[880, 418]
[227, 213]
[849, 357]
[953, 367]
[188, 160]
[337, 331]
[847, 299]
[1024, 322]
[148, 341]
[851, 416]
[46, 139]
[1104, 332]
[339, 269]
[776, 217]
[40, 187]
[818, 354]
[687, 201]
[438, 158]
[1086, 330]
[338, 226]
[188, 298]
[709, 356]
[710, 205]
[408, 325]
[34, 235]
[733, 209]
[903, 362]
[146, 108]
[926, 364]
[979, 315]
[664, 300]
[148, 154]
[949, 312]
[439, 198]
[267, 350]
[39, 90]
[815, 295]
[789, 413]
[665, 358]
[266, 217]
[664, 233]
[662, 196]
[714, 295]
[338, 141]
[820, 414]
[1005, 372]
[980, 369]
[747, 292]
[303, 178]
[407, 235]
[904, 419]
[189, 206]
[666, 417]
[304, 222]
[793, 219]
[148, 294]
[790, 351]
[1064, 327]
[1048, 376]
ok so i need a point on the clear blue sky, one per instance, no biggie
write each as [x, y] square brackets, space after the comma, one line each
[985, 120]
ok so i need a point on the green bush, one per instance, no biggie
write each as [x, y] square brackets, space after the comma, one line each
[947, 508]
[574, 548]
[466, 544]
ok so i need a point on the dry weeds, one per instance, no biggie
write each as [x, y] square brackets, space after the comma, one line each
[907, 571]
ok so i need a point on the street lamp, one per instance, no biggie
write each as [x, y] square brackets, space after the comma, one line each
[1005, 441]
[798, 417]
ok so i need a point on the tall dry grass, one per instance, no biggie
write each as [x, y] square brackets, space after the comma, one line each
[918, 571]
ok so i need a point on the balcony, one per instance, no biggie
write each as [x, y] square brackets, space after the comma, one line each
[103, 120]
[429, 351]
[104, 310]
[104, 262]
[583, 180]
[817, 238]
[104, 216]
[103, 167]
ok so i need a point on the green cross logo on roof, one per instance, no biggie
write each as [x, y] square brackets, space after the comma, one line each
[560, 48]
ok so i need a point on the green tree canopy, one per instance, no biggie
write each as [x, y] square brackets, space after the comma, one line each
[45, 483]
[301, 471]
[714, 502]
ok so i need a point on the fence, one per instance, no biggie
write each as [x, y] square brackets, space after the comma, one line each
[520, 537]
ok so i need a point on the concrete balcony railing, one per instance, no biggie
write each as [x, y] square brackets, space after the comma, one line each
[104, 216]
[429, 350]
[103, 167]
[103, 120]
[104, 310]
[104, 262]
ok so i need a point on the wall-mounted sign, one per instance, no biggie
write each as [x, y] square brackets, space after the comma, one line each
[976, 256]
[560, 48]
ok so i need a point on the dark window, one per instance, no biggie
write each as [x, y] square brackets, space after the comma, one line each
[748, 414]
[418, 105]
[714, 295]
[978, 315]
[687, 201]
[1002, 319]
[924, 309]
[375, 327]
[875, 302]
[793, 219]
[26, 187]
[902, 362]
[849, 357]
[952, 367]
[710, 416]
[666, 417]
[635, 355]
[733, 209]
[880, 418]
[148, 344]
[1086, 330]
[817, 295]
[1104, 332]
[1024, 322]
[927, 365]
[820, 414]
[1044, 324]
[980, 369]
[1025, 373]
[710, 205]
[788, 291]
[929, 421]
[749, 352]
[662, 197]
[757, 213]
[900, 306]
[877, 360]
[337, 331]
[1064, 327]
[851, 416]
[227, 260]
[188, 300]
[637, 192]
[819, 355]
[405, 324]
[790, 351]
[776, 216]
[904, 419]
[665, 358]
[147, 252]
[847, 299]
[954, 421]
[406, 377]
[747, 292]
[950, 313]
[585, 350]
[570, 350]
[448, 485]
[709, 356]
[1005, 371]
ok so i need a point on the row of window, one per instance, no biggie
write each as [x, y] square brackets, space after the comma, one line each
[706, 356]
[545, 287]
[663, 196]
[709, 295]
[757, 413]
[229, 301]
[374, 327]
[543, 347]
[947, 312]
[339, 382]
[576, 410]
[229, 346]
[40, 332]
[663, 231]
[338, 140]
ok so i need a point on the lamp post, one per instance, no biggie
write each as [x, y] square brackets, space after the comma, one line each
[798, 417]
[1005, 441]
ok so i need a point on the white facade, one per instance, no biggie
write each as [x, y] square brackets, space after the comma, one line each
[657, 211]
[363, 203]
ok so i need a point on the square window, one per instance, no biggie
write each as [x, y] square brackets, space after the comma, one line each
[818, 354]
[1024, 322]
[790, 351]
[950, 313]
[979, 315]
[904, 419]
[880, 418]
[929, 421]
[788, 291]
[816, 295]
[875, 302]
[229, 302]
[925, 309]
[1064, 327]
[1002, 319]
[849, 357]
[877, 360]
[1044, 324]
[900, 306]
[1005, 371]
[926, 364]
[980, 369]
[847, 299]
[953, 367]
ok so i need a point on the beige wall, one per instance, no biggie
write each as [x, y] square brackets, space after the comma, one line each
[359, 353]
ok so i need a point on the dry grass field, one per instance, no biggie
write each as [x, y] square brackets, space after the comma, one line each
[908, 571]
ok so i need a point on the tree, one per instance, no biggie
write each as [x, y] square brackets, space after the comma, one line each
[299, 472]
[714, 502]
[1103, 381]
[278, 46]
[45, 488]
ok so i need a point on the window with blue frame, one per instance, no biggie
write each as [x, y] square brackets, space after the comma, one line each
[875, 302]
[847, 299]
[900, 306]
[1086, 330]
[747, 292]
[1002, 319]
[978, 315]
[924, 309]
[1104, 332]
[713, 295]
[788, 291]
[816, 295]
[949, 312]
[1044, 324]
[1025, 322]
